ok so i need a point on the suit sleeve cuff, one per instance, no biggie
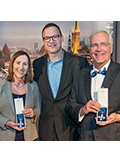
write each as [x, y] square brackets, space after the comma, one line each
[80, 118]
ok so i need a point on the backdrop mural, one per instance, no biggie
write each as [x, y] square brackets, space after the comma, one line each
[26, 35]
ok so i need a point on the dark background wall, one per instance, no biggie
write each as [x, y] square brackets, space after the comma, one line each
[116, 54]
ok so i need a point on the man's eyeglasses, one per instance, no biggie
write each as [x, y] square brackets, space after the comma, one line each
[103, 45]
[48, 38]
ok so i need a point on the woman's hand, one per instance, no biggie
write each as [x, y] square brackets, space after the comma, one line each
[13, 125]
[28, 112]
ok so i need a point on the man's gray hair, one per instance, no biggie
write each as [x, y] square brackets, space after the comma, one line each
[104, 31]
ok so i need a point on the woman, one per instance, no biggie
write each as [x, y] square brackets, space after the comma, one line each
[19, 85]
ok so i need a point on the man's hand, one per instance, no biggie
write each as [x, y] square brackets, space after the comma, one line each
[112, 118]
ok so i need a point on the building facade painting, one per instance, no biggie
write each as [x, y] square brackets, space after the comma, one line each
[27, 36]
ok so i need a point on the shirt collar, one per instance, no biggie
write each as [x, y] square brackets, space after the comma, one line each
[48, 60]
[105, 66]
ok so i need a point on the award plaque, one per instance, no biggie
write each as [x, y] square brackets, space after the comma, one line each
[20, 120]
[102, 115]
[103, 100]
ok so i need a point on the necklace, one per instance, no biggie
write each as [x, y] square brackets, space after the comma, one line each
[18, 86]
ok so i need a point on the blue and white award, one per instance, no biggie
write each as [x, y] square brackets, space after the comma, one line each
[103, 100]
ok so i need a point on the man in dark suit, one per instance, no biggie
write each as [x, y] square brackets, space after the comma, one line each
[83, 106]
[54, 73]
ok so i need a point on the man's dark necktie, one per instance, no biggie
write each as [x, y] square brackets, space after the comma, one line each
[95, 72]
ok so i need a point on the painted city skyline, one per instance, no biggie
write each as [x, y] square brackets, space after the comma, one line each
[26, 33]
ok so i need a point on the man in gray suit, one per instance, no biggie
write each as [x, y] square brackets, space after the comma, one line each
[54, 73]
[82, 105]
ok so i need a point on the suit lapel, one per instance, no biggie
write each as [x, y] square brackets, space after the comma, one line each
[64, 73]
[110, 75]
[9, 96]
[44, 82]
[29, 94]
[87, 84]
